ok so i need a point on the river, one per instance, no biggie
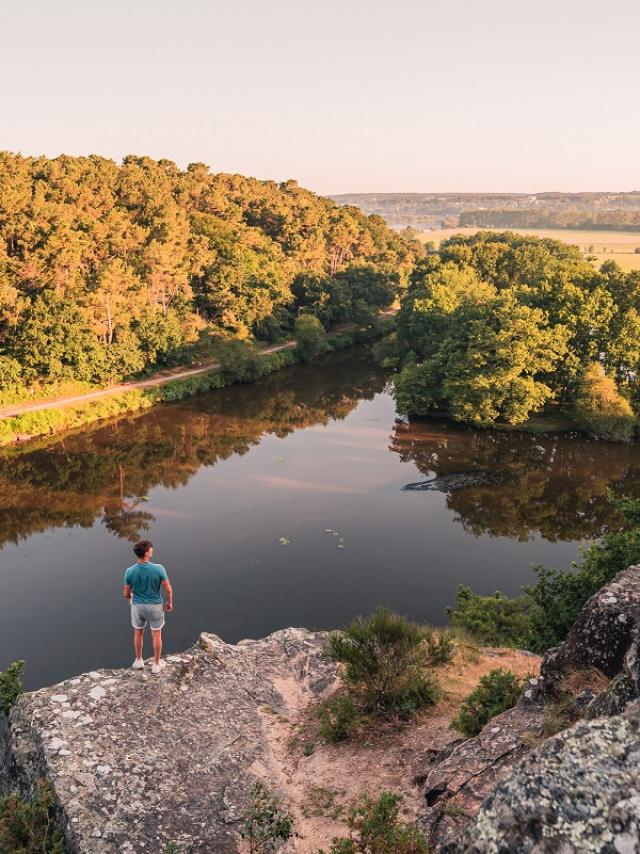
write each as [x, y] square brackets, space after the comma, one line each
[282, 503]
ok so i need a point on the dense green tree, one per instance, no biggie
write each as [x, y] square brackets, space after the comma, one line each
[54, 341]
[143, 254]
[600, 409]
[496, 325]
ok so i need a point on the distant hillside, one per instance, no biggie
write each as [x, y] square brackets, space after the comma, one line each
[501, 210]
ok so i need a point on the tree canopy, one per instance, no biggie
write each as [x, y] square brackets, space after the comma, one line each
[496, 325]
[108, 269]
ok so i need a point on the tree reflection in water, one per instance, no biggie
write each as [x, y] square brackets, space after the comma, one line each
[560, 487]
[555, 486]
[104, 472]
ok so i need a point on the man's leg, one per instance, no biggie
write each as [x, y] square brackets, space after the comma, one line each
[156, 637]
[138, 638]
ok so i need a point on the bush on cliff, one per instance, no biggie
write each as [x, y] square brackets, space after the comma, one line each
[375, 829]
[496, 692]
[29, 827]
[387, 661]
[10, 685]
[492, 620]
[267, 821]
[337, 717]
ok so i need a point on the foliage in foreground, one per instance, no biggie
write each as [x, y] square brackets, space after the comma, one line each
[491, 620]
[543, 616]
[267, 821]
[338, 717]
[496, 692]
[387, 661]
[29, 827]
[374, 829]
[10, 685]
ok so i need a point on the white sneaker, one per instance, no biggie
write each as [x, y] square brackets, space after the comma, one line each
[156, 668]
[138, 664]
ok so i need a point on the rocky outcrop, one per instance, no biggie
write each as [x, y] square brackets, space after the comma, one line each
[606, 636]
[578, 792]
[603, 641]
[138, 761]
[460, 780]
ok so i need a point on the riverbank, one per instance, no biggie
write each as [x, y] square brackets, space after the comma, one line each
[21, 423]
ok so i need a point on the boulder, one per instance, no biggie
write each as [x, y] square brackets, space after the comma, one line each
[578, 792]
[459, 782]
[138, 762]
[606, 636]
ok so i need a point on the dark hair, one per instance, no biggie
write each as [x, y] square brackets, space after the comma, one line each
[142, 547]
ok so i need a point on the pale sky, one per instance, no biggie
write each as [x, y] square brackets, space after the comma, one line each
[342, 95]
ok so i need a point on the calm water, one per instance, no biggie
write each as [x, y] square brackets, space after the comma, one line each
[281, 504]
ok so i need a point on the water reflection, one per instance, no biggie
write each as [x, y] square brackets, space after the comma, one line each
[558, 486]
[106, 472]
[515, 485]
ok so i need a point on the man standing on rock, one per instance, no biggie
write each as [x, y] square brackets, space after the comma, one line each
[143, 583]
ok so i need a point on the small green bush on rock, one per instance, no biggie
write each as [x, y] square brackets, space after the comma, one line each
[10, 685]
[338, 718]
[267, 822]
[29, 827]
[496, 692]
[375, 830]
[386, 659]
[493, 620]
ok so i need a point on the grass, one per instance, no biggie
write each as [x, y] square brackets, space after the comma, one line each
[618, 246]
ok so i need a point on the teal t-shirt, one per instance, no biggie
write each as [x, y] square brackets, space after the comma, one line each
[145, 580]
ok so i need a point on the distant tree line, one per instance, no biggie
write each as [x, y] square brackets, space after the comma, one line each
[107, 270]
[495, 326]
[605, 220]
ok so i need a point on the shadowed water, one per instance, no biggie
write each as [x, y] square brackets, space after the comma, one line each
[282, 503]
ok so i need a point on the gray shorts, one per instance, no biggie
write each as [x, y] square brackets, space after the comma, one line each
[146, 614]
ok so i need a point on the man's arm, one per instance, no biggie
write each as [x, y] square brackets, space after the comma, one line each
[168, 592]
[126, 592]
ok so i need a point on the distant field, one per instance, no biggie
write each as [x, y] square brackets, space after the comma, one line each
[616, 246]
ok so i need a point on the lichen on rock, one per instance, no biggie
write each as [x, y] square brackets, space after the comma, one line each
[138, 761]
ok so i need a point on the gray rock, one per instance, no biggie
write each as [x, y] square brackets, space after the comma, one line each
[605, 635]
[578, 792]
[149, 760]
[457, 785]
[456, 481]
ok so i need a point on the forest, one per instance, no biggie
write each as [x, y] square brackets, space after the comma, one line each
[604, 220]
[108, 270]
[495, 327]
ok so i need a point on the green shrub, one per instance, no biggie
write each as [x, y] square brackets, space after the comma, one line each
[496, 692]
[309, 334]
[440, 648]
[493, 620]
[386, 659]
[10, 685]
[266, 822]
[338, 717]
[29, 827]
[375, 830]
[599, 408]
